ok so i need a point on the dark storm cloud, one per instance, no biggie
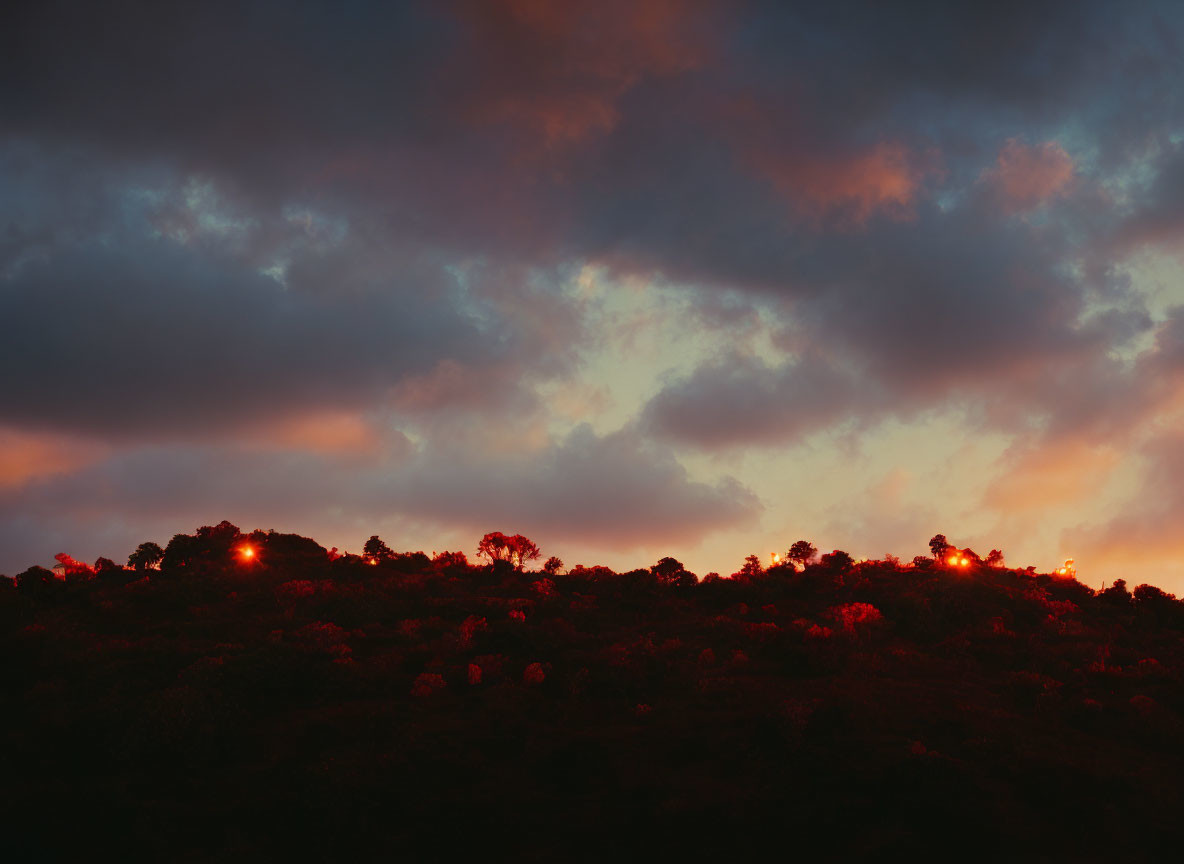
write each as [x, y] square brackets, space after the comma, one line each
[254, 85]
[656, 126]
[151, 291]
[960, 74]
[690, 139]
[955, 294]
[157, 338]
[741, 400]
[453, 121]
[826, 114]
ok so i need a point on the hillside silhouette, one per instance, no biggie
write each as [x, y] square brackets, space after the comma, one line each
[258, 697]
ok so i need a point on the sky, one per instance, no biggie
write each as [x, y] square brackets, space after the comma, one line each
[632, 279]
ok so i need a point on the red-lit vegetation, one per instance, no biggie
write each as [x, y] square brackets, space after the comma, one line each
[257, 697]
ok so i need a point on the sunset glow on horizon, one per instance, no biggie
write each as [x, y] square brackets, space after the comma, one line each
[632, 279]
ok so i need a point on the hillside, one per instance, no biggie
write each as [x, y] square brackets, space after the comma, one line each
[280, 703]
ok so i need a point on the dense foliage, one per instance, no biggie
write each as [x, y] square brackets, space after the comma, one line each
[291, 703]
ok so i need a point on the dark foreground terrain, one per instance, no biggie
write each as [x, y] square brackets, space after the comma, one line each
[286, 706]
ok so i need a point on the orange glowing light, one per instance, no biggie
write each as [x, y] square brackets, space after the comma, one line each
[373, 562]
[248, 552]
[964, 562]
[953, 560]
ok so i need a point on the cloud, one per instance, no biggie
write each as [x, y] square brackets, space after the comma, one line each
[1143, 541]
[740, 400]
[883, 178]
[1156, 215]
[665, 136]
[558, 70]
[957, 308]
[1166, 359]
[322, 432]
[159, 339]
[1040, 478]
[151, 305]
[570, 128]
[617, 491]
[26, 457]
[1029, 176]
[888, 511]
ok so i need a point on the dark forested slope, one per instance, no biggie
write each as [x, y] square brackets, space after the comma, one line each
[283, 703]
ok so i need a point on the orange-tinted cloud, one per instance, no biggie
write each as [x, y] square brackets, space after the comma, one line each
[326, 432]
[1027, 177]
[26, 456]
[448, 385]
[558, 69]
[1053, 475]
[883, 178]
[1142, 542]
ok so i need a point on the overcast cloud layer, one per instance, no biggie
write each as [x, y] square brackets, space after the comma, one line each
[630, 278]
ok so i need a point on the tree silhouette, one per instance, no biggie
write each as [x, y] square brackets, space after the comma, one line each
[35, 580]
[451, 559]
[209, 546]
[179, 552]
[1149, 595]
[837, 560]
[994, 558]
[938, 546]
[802, 552]
[224, 532]
[376, 550]
[552, 566]
[147, 556]
[1117, 594]
[752, 567]
[517, 550]
[670, 571]
[667, 569]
